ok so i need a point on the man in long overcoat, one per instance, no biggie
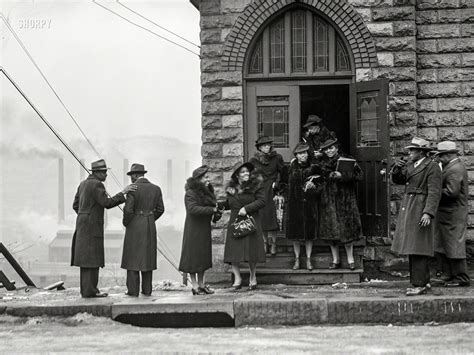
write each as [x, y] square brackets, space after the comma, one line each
[142, 208]
[414, 235]
[451, 219]
[88, 241]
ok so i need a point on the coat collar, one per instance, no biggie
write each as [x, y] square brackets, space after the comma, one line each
[142, 181]
[453, 162]
[422, 166]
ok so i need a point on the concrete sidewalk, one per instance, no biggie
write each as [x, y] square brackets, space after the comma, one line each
[270, 305]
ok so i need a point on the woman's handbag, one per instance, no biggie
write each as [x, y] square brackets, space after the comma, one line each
[243, 226]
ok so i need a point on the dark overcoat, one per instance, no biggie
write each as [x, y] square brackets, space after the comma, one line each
[142, 208]
[269, 166]
[250, 195]
[451, 218]
[339, 218]
[422, 195]
[196, 251]
[302, 208]
[88, 240]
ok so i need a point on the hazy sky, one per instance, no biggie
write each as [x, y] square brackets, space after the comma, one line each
[116, 79]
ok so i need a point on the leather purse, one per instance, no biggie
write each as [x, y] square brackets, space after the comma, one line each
[243, 226]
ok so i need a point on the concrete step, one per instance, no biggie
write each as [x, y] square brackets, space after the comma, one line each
[303, 277]
[319, 261]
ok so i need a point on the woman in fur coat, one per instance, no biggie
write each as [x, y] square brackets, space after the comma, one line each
[339, 218]
[245, 196]
[269, 164]
[196, 252]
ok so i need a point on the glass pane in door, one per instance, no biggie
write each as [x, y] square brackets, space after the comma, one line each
[367, 120]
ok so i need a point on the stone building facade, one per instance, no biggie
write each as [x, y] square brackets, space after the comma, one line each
[424, 49]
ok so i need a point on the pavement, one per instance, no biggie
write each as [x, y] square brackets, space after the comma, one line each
[173, 305]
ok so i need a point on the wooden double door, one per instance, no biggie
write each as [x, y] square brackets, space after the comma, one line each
[355, 112]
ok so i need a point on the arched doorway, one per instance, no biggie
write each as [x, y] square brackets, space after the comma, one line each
[300, 63]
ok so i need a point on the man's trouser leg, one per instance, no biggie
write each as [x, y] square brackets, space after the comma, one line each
[419, 270]
[133, 282]
[89, 280]
[459, 270]
[147, 277]
[442, 264]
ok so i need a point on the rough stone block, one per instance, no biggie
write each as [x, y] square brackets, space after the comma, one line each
[436, 4]
[468, 149]
[210, 94]
[365, 14]
[426, 46]
[211, 36]
[211, 50]
[468, 161]
[211, 121]
[456, 74]
[221, 107]
[219, 164]
[218, 236]
[234, 5]
[456, 133]
[385, 59]
[404, 59]
[438, 31]
[426, 17]
[221, 79]
[427, 105]
[370, 3]
[210, 65]
[427, 76]
[445, 90]
[210, 7]
[439, 119]
[426, 61]
[392, 44]
[407, 118]
[233, 150]
[404, 28]
[467, 59]
[404, 132]
[364, 74]
[225, 135]
[456, 15]
[429, 133]
[402, 103]
[467, 118]
[380, 29]
[218, 21]
[232, 93]
[396, 74]
[455, 45]
[402, 88]
[224, 33]
[232, 121]
[456, 104]
[393, 13]
[467, 30]
[211, 150]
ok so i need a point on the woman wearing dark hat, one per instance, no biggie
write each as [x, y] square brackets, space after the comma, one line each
[302, 204]
[339, 218]
[245, 196]
[269, 164]
[196, 252]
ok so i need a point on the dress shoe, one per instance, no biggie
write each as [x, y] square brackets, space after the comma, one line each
[416, 291]
[206, 289]
[237, 286]
[334, 266]
[309, 266]
[197, 292]
[131, 295]
[352, 266]
[273, 249]
[101, 294]
[296, 265]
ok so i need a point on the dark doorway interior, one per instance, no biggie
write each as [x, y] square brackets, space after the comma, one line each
[331, 103]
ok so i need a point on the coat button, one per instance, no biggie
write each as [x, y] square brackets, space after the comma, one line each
[407, 183]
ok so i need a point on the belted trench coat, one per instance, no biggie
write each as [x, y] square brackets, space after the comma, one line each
[422, 195]
[88, 240]
[142, 208]
[451, 219]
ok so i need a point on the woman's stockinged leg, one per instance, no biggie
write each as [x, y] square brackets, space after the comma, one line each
[200, 278]
[335, 254]
[253, 273]
[194, 281]
[350, 252]
[309, 248]
[236, 272]
[296, 249]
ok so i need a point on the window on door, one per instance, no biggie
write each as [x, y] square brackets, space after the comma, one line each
[298, 43]
[272, 119]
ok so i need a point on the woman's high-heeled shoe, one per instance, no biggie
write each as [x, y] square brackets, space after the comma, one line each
[197, 292]
[351, 266]
[296, 265]
[206, 289]
[309, 266]
[252, 286]
[334, 266]
[237, 286]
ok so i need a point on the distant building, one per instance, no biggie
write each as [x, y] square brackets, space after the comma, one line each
[377, 71]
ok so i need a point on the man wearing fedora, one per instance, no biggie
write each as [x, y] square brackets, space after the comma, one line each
[88, 241]
[142, 208]
[316, 133]
[414, 234]
[451, 219]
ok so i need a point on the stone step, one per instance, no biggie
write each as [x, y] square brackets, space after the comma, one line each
[319, 261]
[303, 277]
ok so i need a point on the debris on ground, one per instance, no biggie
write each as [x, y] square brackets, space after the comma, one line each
[342, 285]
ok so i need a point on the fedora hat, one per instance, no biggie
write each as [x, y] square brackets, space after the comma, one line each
[312, 120]
[137, 169]
[263, 140]
[239, 166]
[328, 143]
[300, 148]
[201, 171]
[419, 143]
[446, 147]
[99, 165]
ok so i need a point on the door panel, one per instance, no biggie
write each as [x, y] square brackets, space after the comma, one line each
[370, 146]
[273, 110]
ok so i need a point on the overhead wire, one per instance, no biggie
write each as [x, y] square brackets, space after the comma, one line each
[157, 25]
[146, 29]
[17, 38]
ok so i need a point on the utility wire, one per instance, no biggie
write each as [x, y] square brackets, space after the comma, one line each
[146, 29]
[157, 25]
[55, 93]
